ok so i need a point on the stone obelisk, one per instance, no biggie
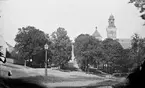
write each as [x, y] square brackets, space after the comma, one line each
[73, 60]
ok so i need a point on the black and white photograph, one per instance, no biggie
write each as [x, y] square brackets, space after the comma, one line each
[72, 43]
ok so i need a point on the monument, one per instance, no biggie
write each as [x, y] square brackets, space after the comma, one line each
[73, 60]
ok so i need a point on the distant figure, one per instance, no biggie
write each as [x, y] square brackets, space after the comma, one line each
[9, 73]
[135, 79]
[2, 58]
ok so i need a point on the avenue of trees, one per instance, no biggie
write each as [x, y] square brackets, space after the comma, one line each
[107, 55]
[90, 52]
[30, 46]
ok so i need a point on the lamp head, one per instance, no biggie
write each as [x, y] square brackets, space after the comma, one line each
[46, 46]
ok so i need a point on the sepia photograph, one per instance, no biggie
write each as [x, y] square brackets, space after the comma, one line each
[72, 43]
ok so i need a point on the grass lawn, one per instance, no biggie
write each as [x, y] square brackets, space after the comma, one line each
[105, 83]
[53, 79]
[17, 72]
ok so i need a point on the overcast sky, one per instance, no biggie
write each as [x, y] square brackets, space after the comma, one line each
[76, 16]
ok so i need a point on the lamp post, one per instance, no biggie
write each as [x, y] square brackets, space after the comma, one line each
[106, 67]
[46, 48]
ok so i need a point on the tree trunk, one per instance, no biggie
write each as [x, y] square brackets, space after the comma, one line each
[25, 63]
[98, 65]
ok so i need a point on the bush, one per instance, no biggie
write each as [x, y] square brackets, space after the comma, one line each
[120, 74]
[96, 71]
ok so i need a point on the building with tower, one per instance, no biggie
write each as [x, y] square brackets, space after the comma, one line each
[111, 31]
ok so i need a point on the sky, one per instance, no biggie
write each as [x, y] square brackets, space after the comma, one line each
[76, 16]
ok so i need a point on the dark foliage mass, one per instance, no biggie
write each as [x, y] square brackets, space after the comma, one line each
[134, 80]
[18, 83]
[30, 43]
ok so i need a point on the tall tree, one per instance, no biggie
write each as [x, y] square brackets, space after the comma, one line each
[29, 41]
[61, 47]
[87, 51]
[125, 63]
[112, 51]
[138, 48]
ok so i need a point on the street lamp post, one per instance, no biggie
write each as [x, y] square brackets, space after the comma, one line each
[46, 48]
[106, 67]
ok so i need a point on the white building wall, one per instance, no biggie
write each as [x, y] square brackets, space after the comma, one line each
[3, 46]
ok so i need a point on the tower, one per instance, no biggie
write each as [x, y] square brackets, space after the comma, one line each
[111, 29]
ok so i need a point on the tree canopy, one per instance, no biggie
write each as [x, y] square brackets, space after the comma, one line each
[29, 41]
[112, 50]
[140, 4]
[138, 48]
[61, 47]
[87, 50]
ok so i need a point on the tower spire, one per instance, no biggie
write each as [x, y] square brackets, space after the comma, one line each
[111, 21]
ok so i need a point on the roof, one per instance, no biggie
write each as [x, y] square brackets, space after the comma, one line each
[2, 41]
[111, 17]
[126, 43]
[96, 34]
[10, 47]
[4, 44]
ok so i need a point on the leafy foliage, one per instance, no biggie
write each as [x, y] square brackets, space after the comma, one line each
[61, 47]
[112, 50]
[87, 50]
[138, 48]
[29, 41]
[140, 4]
[113, 53]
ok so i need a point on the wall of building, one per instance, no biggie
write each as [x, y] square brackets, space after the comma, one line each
[3, 46]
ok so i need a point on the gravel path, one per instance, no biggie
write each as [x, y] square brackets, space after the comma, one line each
[72, 84]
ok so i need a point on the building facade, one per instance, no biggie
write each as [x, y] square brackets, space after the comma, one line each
[3, 45]
[111, 31]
